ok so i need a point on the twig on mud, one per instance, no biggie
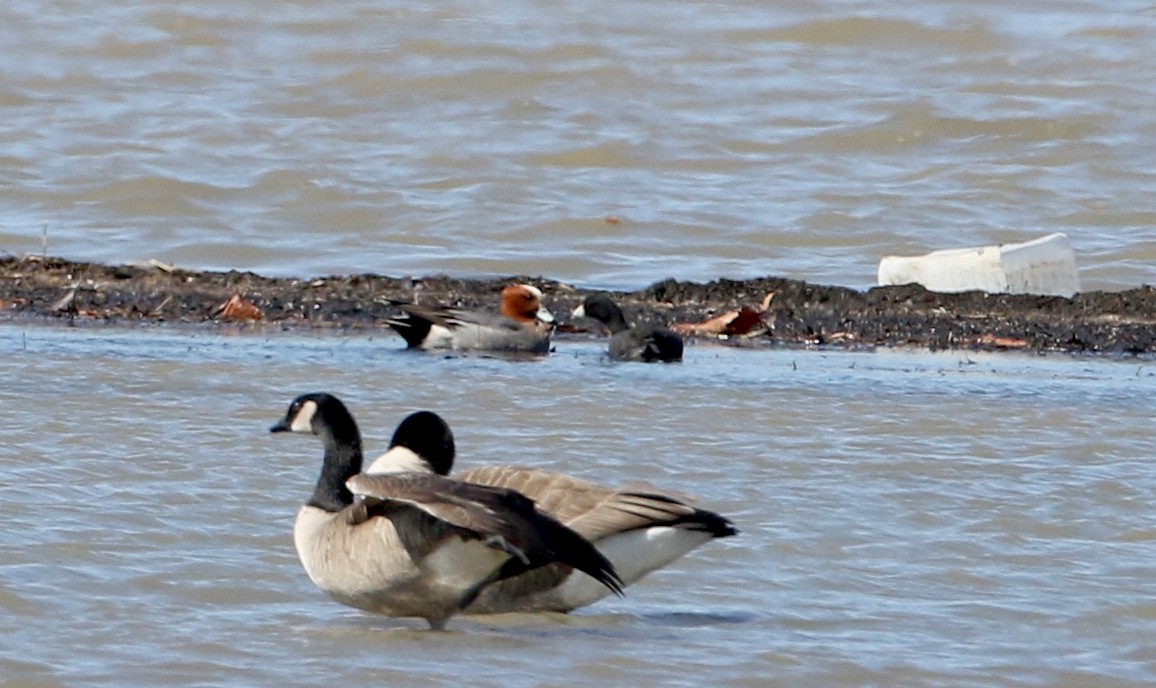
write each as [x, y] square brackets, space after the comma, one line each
[66, 303]
[157, 310]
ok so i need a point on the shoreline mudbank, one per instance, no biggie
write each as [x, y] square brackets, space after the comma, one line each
[766, 311]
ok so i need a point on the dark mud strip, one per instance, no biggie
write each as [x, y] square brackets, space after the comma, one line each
[799, 313]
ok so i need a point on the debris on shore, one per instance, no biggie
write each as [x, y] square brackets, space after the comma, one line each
[799, 313]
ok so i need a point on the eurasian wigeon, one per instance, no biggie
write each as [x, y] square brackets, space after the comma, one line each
[639, 531]
[522, 324]
[647, 343]
[417, 543]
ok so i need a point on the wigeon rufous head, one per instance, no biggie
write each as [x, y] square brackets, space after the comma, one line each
[523, 325]
[523, 302]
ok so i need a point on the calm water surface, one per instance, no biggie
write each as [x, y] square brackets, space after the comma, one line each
[907, 518]
[803, 138]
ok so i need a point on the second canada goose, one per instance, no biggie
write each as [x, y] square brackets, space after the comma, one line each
[638, 530]
[416, 543]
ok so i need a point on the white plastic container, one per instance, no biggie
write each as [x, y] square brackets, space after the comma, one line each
[1042, 266]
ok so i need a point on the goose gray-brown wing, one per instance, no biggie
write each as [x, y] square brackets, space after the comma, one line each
[596, 512]
[497, 516]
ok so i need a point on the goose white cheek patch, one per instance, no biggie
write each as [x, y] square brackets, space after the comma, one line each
[303, 421]
[399, 460]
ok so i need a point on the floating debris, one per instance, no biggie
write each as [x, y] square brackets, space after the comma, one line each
[1046, 265]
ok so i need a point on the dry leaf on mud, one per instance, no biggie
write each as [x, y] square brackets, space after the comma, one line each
[766, 302]
[745, 321]
[66, 303]
[732, 323]
[1003, 342]
[715, 325]
[237, 308]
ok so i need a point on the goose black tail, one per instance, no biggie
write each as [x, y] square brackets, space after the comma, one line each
[553, 541]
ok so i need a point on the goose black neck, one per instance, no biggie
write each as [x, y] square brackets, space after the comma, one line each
[342, 439]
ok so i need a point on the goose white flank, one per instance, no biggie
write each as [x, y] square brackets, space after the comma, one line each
[639, 531]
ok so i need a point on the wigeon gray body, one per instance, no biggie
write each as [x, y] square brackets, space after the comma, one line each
[639, 531]
[522, 325]
[416, 544]
[645, 343]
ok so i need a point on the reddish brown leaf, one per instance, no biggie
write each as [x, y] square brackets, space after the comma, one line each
[732, 323]
[745, 320]
[237, 308]
[715, 325]
[1003, 342]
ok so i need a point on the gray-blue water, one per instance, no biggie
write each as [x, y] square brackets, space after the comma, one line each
[907, 518]
[802, 139]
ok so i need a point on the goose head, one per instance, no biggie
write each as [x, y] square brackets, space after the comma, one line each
[422, 443]
[324, 415]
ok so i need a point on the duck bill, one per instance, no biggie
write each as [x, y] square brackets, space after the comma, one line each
[544, 315]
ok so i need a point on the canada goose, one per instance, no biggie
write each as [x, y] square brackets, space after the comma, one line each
[416, 543]
[639, 531]
[522, 324]
[646, 343]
